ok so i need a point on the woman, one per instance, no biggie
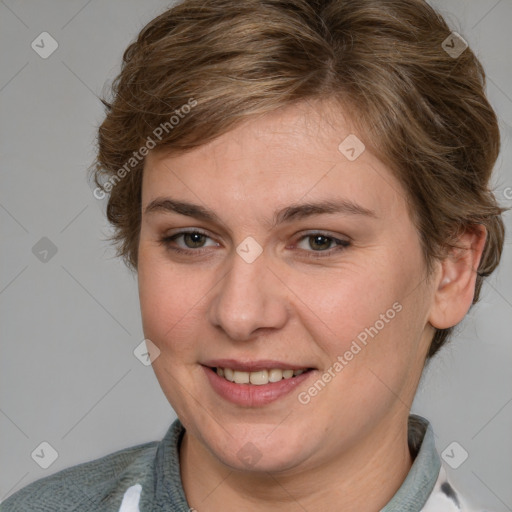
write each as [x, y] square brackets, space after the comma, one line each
[302, 189]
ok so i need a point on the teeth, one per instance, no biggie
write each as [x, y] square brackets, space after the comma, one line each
[275, 375]
[241, 377]
[257, 378]
[228, 374]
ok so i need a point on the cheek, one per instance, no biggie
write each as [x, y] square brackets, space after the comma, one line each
[170, 302]
[373, 312]
[342, 303]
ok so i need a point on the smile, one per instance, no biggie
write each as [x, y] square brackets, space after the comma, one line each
[254, 384]
[257, 378]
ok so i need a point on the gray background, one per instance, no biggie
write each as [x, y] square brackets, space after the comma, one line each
[69, 325]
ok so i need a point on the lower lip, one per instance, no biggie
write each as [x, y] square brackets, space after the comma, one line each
[250, 395]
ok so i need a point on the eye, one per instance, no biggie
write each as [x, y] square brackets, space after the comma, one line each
[322, 241]
[193, 240]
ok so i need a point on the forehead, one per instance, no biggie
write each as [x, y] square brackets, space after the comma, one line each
[303, 152]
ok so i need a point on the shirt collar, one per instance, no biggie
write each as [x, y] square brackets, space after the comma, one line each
[419, 483]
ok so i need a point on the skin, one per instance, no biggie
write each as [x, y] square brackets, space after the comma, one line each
[347, 448]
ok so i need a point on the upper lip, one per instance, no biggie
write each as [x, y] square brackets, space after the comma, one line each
[252, 366]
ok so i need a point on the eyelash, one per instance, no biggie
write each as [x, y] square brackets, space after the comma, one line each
[340, 244]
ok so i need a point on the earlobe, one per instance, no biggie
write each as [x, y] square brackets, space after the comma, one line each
[455, 283]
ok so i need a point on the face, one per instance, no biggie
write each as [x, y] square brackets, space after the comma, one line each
[263, 284]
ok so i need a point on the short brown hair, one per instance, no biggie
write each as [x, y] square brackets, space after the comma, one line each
[424, 111]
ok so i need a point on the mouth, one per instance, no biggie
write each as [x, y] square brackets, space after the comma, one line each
[257, 383]
[260, 377]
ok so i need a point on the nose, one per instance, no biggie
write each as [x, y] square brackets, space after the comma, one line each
[249, 299]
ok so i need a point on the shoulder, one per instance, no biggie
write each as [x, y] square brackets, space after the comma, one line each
[95, 485]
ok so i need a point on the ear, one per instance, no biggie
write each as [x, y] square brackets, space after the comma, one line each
[455, 282]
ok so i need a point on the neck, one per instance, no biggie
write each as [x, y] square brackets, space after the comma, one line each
[364, 478]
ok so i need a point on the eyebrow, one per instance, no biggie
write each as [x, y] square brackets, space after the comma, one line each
[287, 214]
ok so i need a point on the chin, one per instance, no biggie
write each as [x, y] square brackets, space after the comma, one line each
[258, 448]
[251, 459]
